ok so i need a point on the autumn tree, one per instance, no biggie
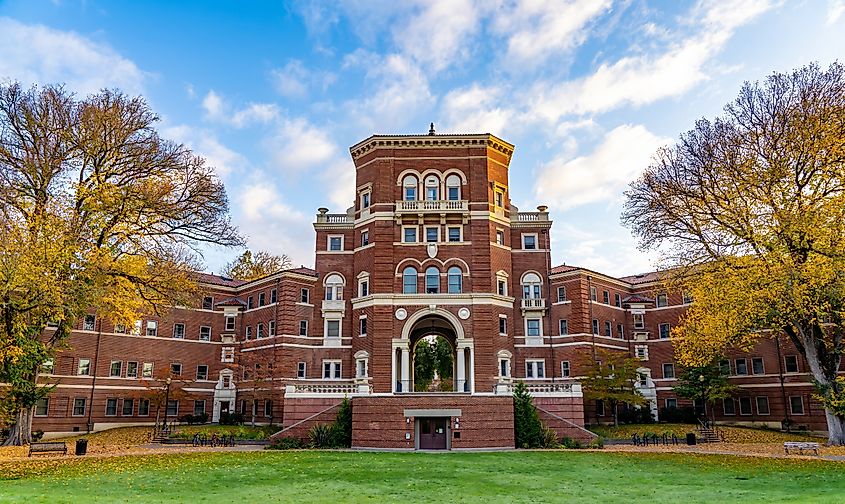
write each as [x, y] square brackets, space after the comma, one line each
[708, 383]
[249, 266]
[611, 377]
[97, 212]
[750, 209]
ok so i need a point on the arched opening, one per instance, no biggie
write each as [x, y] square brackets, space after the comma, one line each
[433, 362]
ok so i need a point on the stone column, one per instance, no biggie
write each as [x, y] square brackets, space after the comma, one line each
[459, 385]
[406, 370]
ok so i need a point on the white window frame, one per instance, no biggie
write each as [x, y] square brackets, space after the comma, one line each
[336, 369]
[437, 233]
[46, 407]
[301, 369]
[79, 367]
[183, 330]
[152, 331]
[119, 369]
[664, 303]
[227, 354]
[732, 402]
[73, 408]
[362, 326]
[639, 321]
[89, 327]
[559, 298]
[539, 327]
[534, 368]
[500, 233]
[565, 369]
[303, 329]
[563, 327]
[501, 318]
[460, 234]
[229, 323]
[671, 366]
[507, 367]
[176, 369]
[762, 366]
[326, 329]
[368, 196]
[785, 365]
[415, 229]
[366, 367]
[668, 327]
[364, 286]
[329, 243]
[365, 237]
[197, 375]
[757, 405]
[641, 352]
[200, 336]
[536, 241]
[791, 410]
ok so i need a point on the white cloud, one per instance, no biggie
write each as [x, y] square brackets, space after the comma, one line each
[298, 145]
[205, 143]
[339, 183]
[291, 80]
[213, 105]
[835, 9]
[436, 36]
[536, 30]
[477, 109]
[36, 54]
[216, 109]
[609, 251]
[600, 176]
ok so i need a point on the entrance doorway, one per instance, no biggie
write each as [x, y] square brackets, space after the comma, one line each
[224, 407]
[433, 433]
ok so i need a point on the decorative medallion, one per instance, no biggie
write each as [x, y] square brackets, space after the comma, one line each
[432, 250]
[463, 313]
[401, 314]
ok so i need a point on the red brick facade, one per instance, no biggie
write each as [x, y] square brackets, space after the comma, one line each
[432, 246]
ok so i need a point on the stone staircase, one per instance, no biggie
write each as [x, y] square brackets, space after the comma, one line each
[708, 433]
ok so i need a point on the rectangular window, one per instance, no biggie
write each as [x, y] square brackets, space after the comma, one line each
[762, 405]
[147, 370]
[432, 234]
[300, 370]
[452, 192]
[639, 322]
[500, 237]
[595, 326]
[152, 328]
[259, 330]
[608, 329]
[593, 294]
[564, 369]
[271, 328]
[563, 327]
[227, 354]
[410, 193]
[202, 372]
[143, 407]
[605, 296]
[274, 296]
[89, 322]
[725, 367]
[115, 368]
[248, 333]
[599, 407]
[333, 328]
[268, 408]
[47, 367]
[741, 367]
[561, 294]
[662, 300]
[365, 237]
[128, 407]
[335, 243]
[687, 298]
[365, 200]
[176, 369]
[668, 370]
[364, 288]
[757, 365]
[729, 406]
[261, 299]
[362, 326]
[620, 331]
[454, 233]
[205, 333]
[790, 363]
[504, 367]
[671, 402]
[361, 368]
[303, 328]
[617, 300]
[535, 369]
[796, 405]
[207, 303]
[136, 328]
[78, 406]
[179, 331]
[331, 370]
[500, 199]
[304, 295]
[249, 303]
[409, 235]
[744, 405]
[503, 325]
[111, 406]
[42, 406]
[199, 407]
[641, 351]
[533, 327]
[172, 408]
[502, 287]
[665, 330]
[120, 328]
[131, 369]
[84, 367]
[529, 242]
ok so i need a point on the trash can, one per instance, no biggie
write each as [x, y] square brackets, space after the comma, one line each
[81, 446]
[690, 438]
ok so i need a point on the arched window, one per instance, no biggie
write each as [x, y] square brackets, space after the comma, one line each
[409, 188]
[453, 187]
[334, 287]
[432, 280]
[531, 286]
[455, 280]
[409, 280]
[432, 188]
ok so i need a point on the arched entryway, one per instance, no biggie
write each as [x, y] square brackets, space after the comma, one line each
[432, 356]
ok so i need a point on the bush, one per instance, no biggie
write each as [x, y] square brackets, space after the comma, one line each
[342, 426]
[231, 419]
[549, 438]
[287, 443]
[568, 442]
[685, 415]
[597, 443]
[528, 429]
[37, 435]
[632, 415]
[321, 436]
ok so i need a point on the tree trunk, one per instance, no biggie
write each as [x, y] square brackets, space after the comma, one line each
[835, 429]
[21, 432]
[835, 424]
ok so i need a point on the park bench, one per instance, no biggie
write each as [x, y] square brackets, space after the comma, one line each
[48, 448]
[800, 446]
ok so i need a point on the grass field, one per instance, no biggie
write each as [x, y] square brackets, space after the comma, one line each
[732, 434]
[324, 476]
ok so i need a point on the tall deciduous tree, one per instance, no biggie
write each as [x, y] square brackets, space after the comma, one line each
[751, 208]
[611, 377]
[249, 266]
[97, 212]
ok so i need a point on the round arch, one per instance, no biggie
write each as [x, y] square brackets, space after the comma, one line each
[423, 313]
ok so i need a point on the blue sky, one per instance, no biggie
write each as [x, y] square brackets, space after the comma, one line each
[274, 93]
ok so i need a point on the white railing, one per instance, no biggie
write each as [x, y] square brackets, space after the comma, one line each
[432, 206]
[542, 389]
[534, 303]
[326, 388]
[532, 216]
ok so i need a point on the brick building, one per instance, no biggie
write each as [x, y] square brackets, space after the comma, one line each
[432, 248]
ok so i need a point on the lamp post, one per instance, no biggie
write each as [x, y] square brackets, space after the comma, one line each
[166, 402]
[703, 396]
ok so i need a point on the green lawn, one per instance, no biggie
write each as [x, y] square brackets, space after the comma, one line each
[732, 434]
[314, 476]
